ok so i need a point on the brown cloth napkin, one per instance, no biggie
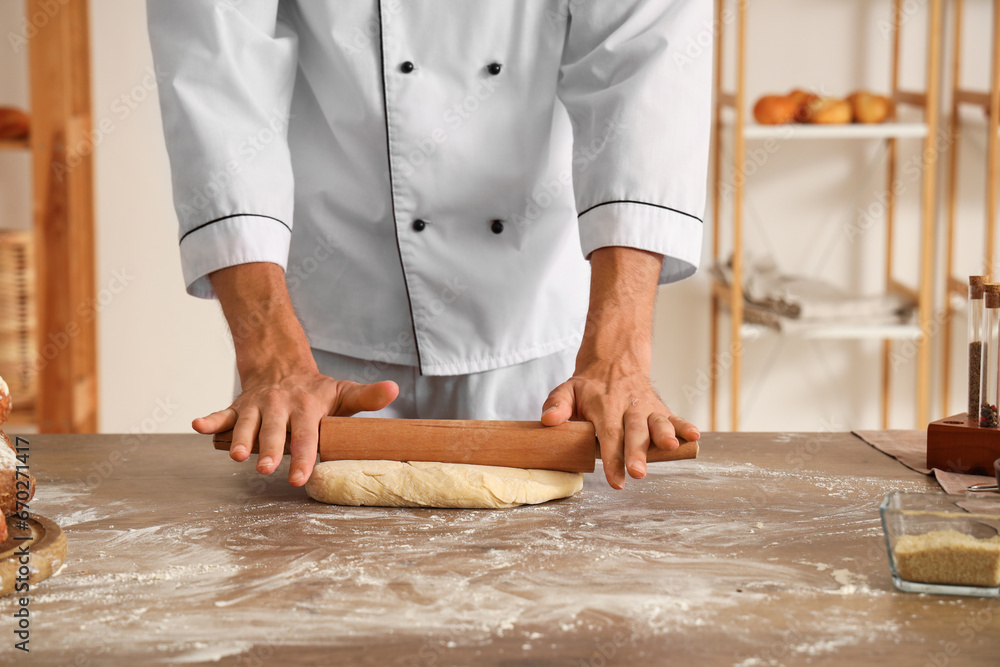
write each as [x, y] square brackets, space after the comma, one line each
[910, 449]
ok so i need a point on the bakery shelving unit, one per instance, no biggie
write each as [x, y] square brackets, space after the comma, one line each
[956, 288]
[63, 211]
[737, 129]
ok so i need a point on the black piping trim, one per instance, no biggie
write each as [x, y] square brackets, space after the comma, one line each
[644, 203]
[392, 189]
[227, 217]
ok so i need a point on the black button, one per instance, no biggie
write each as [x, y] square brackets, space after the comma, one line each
[497, 226]
[494, 68]
[419, 225]
[407, 67]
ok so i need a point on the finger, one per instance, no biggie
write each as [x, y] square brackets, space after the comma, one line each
[273, 434]
[611, 436]
[558, 407]
[305, 442]
[356, 397]
[637, 437]
[662, 433]
[215, 422]
[244, 434]
[684, 428]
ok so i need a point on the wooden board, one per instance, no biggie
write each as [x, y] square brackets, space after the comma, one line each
[46, 546]
[62, 148]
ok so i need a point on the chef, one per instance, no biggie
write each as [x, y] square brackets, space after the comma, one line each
[400, 205]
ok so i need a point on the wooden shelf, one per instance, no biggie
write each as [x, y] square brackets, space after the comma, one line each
[955, 288]
[851, 131]
[830, 331]
[840, 332]
[15, 144]
[732, 124]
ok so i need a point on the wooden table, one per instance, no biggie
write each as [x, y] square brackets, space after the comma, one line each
[767, 550]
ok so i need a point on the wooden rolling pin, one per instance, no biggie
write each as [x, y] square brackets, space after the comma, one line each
[571, 446]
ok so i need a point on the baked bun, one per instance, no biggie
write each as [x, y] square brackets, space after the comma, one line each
[8, 477]
[5, 401]
[869, 108]
[774, 110]
[14, 123]
[830, 111]
[804, 101]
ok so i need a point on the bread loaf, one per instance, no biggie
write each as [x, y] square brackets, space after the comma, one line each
[5, 401]
[9, 478]
[869, 108]
[774, 110]
[830, 111]
[14, 123]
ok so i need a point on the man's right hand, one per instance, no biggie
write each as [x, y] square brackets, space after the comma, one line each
[283, 391]
[269, 408]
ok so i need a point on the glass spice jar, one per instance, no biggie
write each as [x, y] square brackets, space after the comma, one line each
[990, 385]
[976, 307]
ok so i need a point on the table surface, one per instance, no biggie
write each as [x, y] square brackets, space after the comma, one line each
[767, 550]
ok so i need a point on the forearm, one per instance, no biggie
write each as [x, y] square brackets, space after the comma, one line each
[622, 297]
[267, 335]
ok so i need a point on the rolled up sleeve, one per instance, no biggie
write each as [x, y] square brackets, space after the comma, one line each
[226, 73]
[636, 82]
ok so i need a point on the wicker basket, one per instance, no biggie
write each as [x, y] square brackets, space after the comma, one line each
[17, 317]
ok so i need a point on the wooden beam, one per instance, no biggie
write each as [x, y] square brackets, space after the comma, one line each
[973, 97]
[958, 287]
[739, 180]
[890, 207]
[951, 187]
[713, 402]
[910, 97]
[14, 144]
[59, 56]
[928, 215]
[897, 287]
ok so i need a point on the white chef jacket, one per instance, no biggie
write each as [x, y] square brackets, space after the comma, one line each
[430, 174]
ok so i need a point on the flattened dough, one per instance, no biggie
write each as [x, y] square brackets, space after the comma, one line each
[427, 484]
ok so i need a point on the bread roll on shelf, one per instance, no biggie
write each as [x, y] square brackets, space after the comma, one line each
[801, 106]
[830, 111]
[804, 101]
[14, 123]
[775, 110]
[869, 108]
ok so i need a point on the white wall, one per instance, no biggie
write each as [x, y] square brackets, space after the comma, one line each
[160, 347]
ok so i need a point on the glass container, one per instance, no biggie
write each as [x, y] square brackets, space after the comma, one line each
[989, 388]
[943, 543]
[976, 307]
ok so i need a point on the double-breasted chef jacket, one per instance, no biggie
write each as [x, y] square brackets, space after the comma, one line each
[433, 174]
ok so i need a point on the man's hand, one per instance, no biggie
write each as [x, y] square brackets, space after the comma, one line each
[268, 410]
[610, 387]
[283, 391]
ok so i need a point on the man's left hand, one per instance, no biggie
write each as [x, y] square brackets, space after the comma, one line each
[611, 387]
[627, 415]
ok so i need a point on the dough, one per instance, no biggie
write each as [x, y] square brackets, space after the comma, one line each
[428, 484]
